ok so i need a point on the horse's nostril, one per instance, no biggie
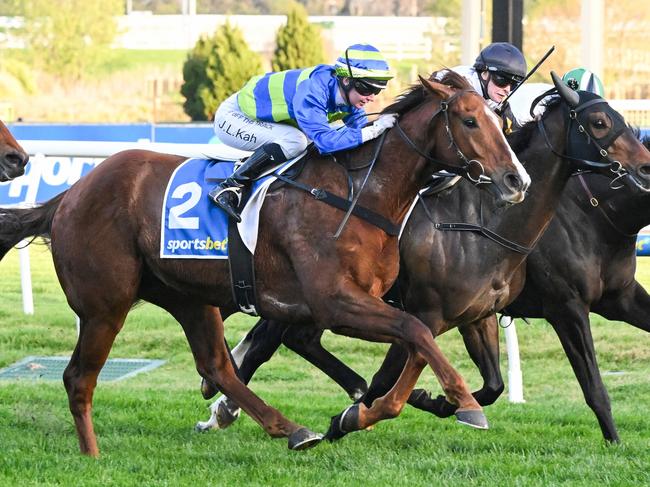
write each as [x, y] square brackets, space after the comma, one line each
[645, 171]
[513, 181]
[16, 158]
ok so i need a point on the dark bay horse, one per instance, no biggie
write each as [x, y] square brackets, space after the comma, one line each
[446, 287]
[13, 158]
[105, 234]
[585, 262]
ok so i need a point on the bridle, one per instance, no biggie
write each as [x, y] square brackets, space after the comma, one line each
[605, 161]
[466, 168]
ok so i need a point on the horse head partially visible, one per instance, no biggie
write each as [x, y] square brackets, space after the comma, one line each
[13, 157]
[463, 132]
[598, 139]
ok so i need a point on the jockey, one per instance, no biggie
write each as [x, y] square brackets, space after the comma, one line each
[498, 69]
[277, 114]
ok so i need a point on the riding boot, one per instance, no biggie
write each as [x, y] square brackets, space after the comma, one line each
[227, 194]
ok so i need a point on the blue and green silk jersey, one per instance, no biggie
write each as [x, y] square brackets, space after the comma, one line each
[306, 98]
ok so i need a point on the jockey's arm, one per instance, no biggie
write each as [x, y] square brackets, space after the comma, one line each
[310, 110]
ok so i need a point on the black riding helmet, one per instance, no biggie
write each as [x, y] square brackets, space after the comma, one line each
[503, 58]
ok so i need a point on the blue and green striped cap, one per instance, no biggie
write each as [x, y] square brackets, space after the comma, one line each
[364, 61]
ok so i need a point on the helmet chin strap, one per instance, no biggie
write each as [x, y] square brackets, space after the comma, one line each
[346, 89]
[484, 83]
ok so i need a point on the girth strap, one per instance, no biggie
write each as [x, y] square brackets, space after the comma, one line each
[344, 205]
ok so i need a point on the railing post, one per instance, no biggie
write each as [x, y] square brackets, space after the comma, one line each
[26, 278]
[515, 379]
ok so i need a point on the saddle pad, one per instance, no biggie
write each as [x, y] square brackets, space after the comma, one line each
[192, 226]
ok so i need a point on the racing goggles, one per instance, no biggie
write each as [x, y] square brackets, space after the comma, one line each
[364, 89]
[502, 80]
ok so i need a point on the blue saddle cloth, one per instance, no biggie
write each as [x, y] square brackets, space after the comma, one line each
[193, 227]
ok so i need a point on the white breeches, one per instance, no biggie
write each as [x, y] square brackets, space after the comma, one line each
[237, 130]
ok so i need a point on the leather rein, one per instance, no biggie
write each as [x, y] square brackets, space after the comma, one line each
[370, 216]
[613, 165]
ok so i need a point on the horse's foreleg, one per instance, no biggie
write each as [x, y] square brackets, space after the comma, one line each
[385, 378]
[482, 343]
[305, 341]
[390, 405]
[362, 316]
[251, 352]
[571, 323]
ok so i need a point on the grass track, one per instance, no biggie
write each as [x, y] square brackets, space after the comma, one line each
[145, 424]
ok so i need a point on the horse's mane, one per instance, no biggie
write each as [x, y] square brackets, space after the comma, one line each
[416, 93]
[645, 139]
[520, 139]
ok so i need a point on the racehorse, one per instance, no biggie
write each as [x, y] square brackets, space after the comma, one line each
[13, 158]
[585, 262]
[462, 288]
[105, 234]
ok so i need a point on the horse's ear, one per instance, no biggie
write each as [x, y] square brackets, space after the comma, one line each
[436, 88]
[570, 96]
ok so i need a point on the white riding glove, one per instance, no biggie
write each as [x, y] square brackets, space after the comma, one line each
[379, 126]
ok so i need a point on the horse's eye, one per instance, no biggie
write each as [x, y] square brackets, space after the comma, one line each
[599, 123]
[470, 122]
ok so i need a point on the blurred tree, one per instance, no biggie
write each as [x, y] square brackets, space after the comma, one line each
[161, 7]
[195, 78]
[69, 38]
[299, 43]
[215, 69]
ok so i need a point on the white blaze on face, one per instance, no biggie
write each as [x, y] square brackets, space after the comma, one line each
[523, 175]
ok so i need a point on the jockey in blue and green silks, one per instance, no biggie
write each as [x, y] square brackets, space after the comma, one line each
[277, 114]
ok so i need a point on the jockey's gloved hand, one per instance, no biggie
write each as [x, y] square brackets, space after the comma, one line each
[383, 123]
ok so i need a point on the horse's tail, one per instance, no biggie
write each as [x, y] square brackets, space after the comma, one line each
[19, 223]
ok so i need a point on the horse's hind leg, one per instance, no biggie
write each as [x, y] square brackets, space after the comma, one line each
[96, 337]
[204, 331]
[306, 342]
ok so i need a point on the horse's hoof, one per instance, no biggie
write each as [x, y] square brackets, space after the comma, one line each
[343, 423]
[472, 417]
[227, 413]
[303, 439]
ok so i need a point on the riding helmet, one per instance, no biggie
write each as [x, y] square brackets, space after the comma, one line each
[363, 61]
[502, 57]
[585, 80]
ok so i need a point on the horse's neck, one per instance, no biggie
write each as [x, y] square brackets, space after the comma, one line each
[627, 211]
[525, 223]
[395, 180]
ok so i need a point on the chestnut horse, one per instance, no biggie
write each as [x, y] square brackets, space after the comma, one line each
[13, 158]
[461, 288]
[105, 236]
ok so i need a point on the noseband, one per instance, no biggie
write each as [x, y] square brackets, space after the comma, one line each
[585, 139]
[466, 167]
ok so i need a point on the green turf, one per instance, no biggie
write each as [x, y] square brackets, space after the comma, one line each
[145, 424]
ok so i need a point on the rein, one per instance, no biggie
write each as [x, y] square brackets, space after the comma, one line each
[480, 229]
[351, 208]
[465, 169]
[593, 201]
